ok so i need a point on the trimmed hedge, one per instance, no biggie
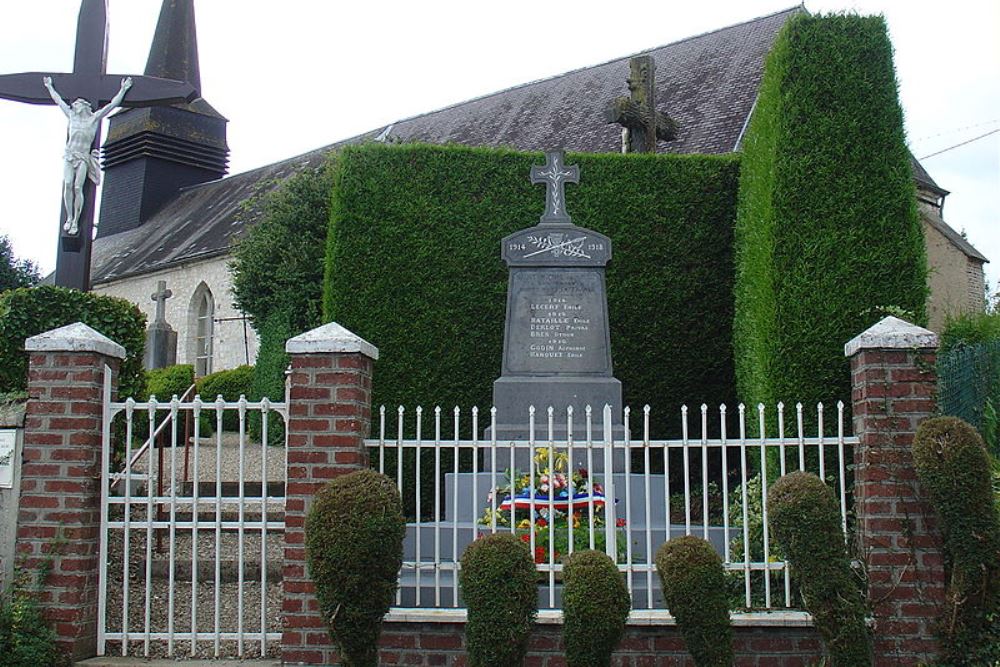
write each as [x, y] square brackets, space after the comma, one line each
[499, 588]
[954, 468]
[827, 235]
[165, 383]
[413, 265]
[354, 549]
[596, 605]
[694, 587]
[805, 521]
[26, 312]
[230, 384]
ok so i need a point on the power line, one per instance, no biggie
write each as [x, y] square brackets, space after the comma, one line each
[945, 150]
[954, 130]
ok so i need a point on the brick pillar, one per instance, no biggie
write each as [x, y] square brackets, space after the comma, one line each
[61, 473]
[329, 412]
[893, 389]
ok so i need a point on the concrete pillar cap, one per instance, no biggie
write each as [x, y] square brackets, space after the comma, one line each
[330, 338]
[76, 337]
[891, 333]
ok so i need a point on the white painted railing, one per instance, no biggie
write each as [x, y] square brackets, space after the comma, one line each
[212, 526]
[457, 488]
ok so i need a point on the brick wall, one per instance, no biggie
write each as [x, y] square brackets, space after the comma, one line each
[328, 418]
[894, 385]
[60, 515]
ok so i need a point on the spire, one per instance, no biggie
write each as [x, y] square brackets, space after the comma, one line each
[174, 53]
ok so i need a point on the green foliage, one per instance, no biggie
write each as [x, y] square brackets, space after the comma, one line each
[269, 375]
[278, 265]
[827, 234]
[970, 329]
[354, 549]
[498, 585]
[26, 639]
[805, 521]
[230, 384]
[430, 219]
[165, 383]
[694, 588]
[596, 605]
[15, 272]
[27, 312]
[952, 464]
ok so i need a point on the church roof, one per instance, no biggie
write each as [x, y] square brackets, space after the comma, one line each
[707, 83]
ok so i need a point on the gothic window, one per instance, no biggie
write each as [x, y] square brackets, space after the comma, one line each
[203, 312]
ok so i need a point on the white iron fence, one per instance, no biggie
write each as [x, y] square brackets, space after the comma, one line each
[192, 528]
[553, 492]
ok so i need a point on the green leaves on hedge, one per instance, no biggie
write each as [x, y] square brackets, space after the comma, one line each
[827, 233]
[499, 589]
[694, 587]
[413, 265]
[805, 520]
[354, 549]
[28, 312]
[954, 468]
[596, 605]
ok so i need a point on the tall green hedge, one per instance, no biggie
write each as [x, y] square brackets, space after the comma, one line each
[413, 265]
[26, 312]
[827, 235]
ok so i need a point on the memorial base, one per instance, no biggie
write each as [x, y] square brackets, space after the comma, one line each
[514, 395]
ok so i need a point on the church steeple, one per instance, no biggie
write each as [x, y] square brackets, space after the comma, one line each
[152, 153]
[174, 54]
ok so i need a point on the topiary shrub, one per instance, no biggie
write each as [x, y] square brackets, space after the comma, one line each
[27, 312]
[354, 549]
[694, 588]
[230, 384]
[954, 468]
[805, 521]
[498, 584]
[596, 605]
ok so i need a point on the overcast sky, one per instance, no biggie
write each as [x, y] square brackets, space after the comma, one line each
[295, 75]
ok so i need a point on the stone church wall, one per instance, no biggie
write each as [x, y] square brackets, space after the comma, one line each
[955, 280]
[234, 340]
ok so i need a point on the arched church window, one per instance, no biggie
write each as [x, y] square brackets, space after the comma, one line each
[203, 308]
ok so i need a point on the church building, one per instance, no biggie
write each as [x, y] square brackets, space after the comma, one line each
[169, 212]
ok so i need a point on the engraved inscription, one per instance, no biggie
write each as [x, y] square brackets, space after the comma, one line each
[557, 324]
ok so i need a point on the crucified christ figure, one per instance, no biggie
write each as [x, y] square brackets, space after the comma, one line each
[81, 161]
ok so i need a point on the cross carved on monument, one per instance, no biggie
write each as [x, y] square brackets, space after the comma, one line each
[89, 83]
[637, 113]
[555, 175]
[160, 297]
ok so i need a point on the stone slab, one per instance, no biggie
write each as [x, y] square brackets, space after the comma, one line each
[330, 337]
[76, 337]
[891, 333]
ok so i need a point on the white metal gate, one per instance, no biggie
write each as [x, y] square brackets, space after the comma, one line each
[192, 521]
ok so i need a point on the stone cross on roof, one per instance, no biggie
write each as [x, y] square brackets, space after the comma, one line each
[160, 296]
[88, 81]
[555, 174]
[637, 112]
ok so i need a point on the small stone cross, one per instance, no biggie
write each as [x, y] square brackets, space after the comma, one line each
[160, 296]
[637, 113]
[555, 174]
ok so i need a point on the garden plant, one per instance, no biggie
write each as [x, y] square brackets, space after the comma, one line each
[596, 605]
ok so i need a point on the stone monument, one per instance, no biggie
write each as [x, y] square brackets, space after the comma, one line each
[557, 347]
[642, 125]
[161, 339]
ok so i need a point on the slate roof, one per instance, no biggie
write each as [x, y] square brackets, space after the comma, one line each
[708, 83]
[957, 240]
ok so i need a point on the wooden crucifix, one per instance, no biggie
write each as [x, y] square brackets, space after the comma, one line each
[86, 95]
[637, 113]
